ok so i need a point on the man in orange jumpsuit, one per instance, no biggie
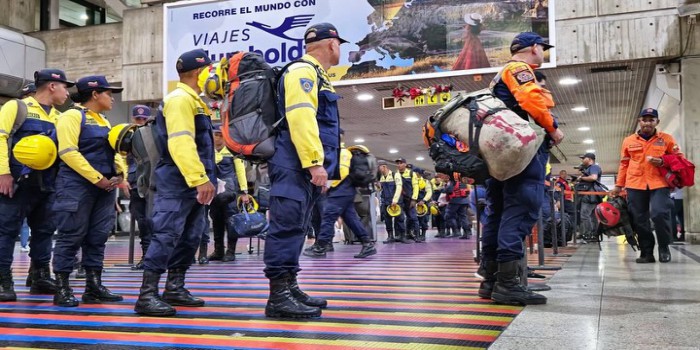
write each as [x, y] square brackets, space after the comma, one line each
[648, 195]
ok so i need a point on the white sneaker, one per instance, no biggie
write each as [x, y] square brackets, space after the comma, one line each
[24, 249]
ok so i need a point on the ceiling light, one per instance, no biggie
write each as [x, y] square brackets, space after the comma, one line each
[365, 97]
[584, 128]
[359, 140]
[590, 151]
[579, 109]
[84, 17]
[393, 151]
[419, 158]
[411, 119]
[588, 141]
[569, 81]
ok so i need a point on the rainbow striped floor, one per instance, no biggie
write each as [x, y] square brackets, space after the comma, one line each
[417, 296]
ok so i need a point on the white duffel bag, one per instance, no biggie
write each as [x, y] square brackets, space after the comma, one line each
[507, 142]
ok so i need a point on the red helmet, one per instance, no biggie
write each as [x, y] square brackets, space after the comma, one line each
[607, 214]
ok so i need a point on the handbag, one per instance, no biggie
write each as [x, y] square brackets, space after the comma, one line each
[249, 224]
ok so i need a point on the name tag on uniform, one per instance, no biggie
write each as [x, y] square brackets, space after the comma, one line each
[659, 142]
[635, 147]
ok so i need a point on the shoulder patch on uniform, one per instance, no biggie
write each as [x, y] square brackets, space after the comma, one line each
[306, 84]
[524, 77]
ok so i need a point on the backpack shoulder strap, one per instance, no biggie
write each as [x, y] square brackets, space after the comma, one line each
[20, 116]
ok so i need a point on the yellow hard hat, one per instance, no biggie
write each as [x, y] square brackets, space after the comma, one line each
[434, 210]
[120, 137]
[393, 210]
[213, 81]
[360, 148]
[251, 207]
[421, 209]
[37, 152]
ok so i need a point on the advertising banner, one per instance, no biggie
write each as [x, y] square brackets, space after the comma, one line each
[389, 40]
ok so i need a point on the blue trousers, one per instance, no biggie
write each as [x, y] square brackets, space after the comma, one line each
[423, 221]
[457, 218]
[85, 215]
[512, 209]
[35, 206]
[656, 205]
[178, 225]
[344, 207]
[137, 207]
[411, 216]
[292, 198]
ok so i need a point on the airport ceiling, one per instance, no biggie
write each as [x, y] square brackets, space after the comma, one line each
[612, 94]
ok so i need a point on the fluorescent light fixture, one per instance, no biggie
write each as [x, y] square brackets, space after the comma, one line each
[590, 151]
[588, 141]
[393, 151]
[579, 109]
[584, 128]
[84, 17]
[411, 119]
[359, 140]
[569, 81]
[419, 158]
[365, 97]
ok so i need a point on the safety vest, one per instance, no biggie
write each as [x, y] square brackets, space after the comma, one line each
[94, 146]
[33, 125]
[388, 183]
[169, 179]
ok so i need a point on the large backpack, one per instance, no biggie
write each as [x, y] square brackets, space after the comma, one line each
[363, 167]
[146, 155]
[250, 114]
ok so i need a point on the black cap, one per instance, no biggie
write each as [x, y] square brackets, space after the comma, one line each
[527, 39]
[649, 112]
[29, 89]
[588, 155]
[192, 60]
[320, 31]
[96, 82]
[382, 162]
[50, 74]
[400, 160]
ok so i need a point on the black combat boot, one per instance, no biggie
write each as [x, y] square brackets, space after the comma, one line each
[441, 233]
[149, 302]
[203, 260]
[317, 250]
[7, 286]
[389, 237]
[508, 289]
[329, 247]
[367, 249]
[42, 283]
[175, 292]
[421, 237]
[403, 239]
[64, 294]
[95, 292]
[282, 304]
[29, 275]
[230, 250]
[304, 298]
[80, 272]
[487, 271]
[218, 253]
[139, 265]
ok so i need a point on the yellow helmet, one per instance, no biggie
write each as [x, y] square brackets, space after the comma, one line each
[434, 210]
[393, 210]
[213, 81]
[120, 137]
[421, 209]
[251, 207]
[37, 152]
[360, 148]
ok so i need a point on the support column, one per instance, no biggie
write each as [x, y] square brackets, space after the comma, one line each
[53, 15]
[690, 120]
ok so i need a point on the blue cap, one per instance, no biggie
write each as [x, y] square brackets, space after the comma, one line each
[649, 112]
[192, 60]
[216, 127]
[50, 74]
[527, 39]
[29, 89]
[418, 170]
[96, 82]
[320, 31]
[141, 111]
[400, 160]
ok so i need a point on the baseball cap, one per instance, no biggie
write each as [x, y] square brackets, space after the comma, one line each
[588, 155]
[650, 112]
[400, 160]
[527, 39]
[320, 31]
[382, 162]
[216, 127]
[192, 60]
[96, 82]
[28, 89]
[141, 111]
[50, 74]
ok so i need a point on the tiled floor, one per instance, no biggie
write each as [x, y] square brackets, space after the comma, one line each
[604, 300]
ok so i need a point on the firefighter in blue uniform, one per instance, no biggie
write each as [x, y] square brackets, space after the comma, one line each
[29, 196]
[185, 183]
[307, 152]
[232, 171]
[409, 192]
[137, 204]
[425, 195]
[392, 185]
[438, 184]
[341, 203]
[513, 205]
[88, 173]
